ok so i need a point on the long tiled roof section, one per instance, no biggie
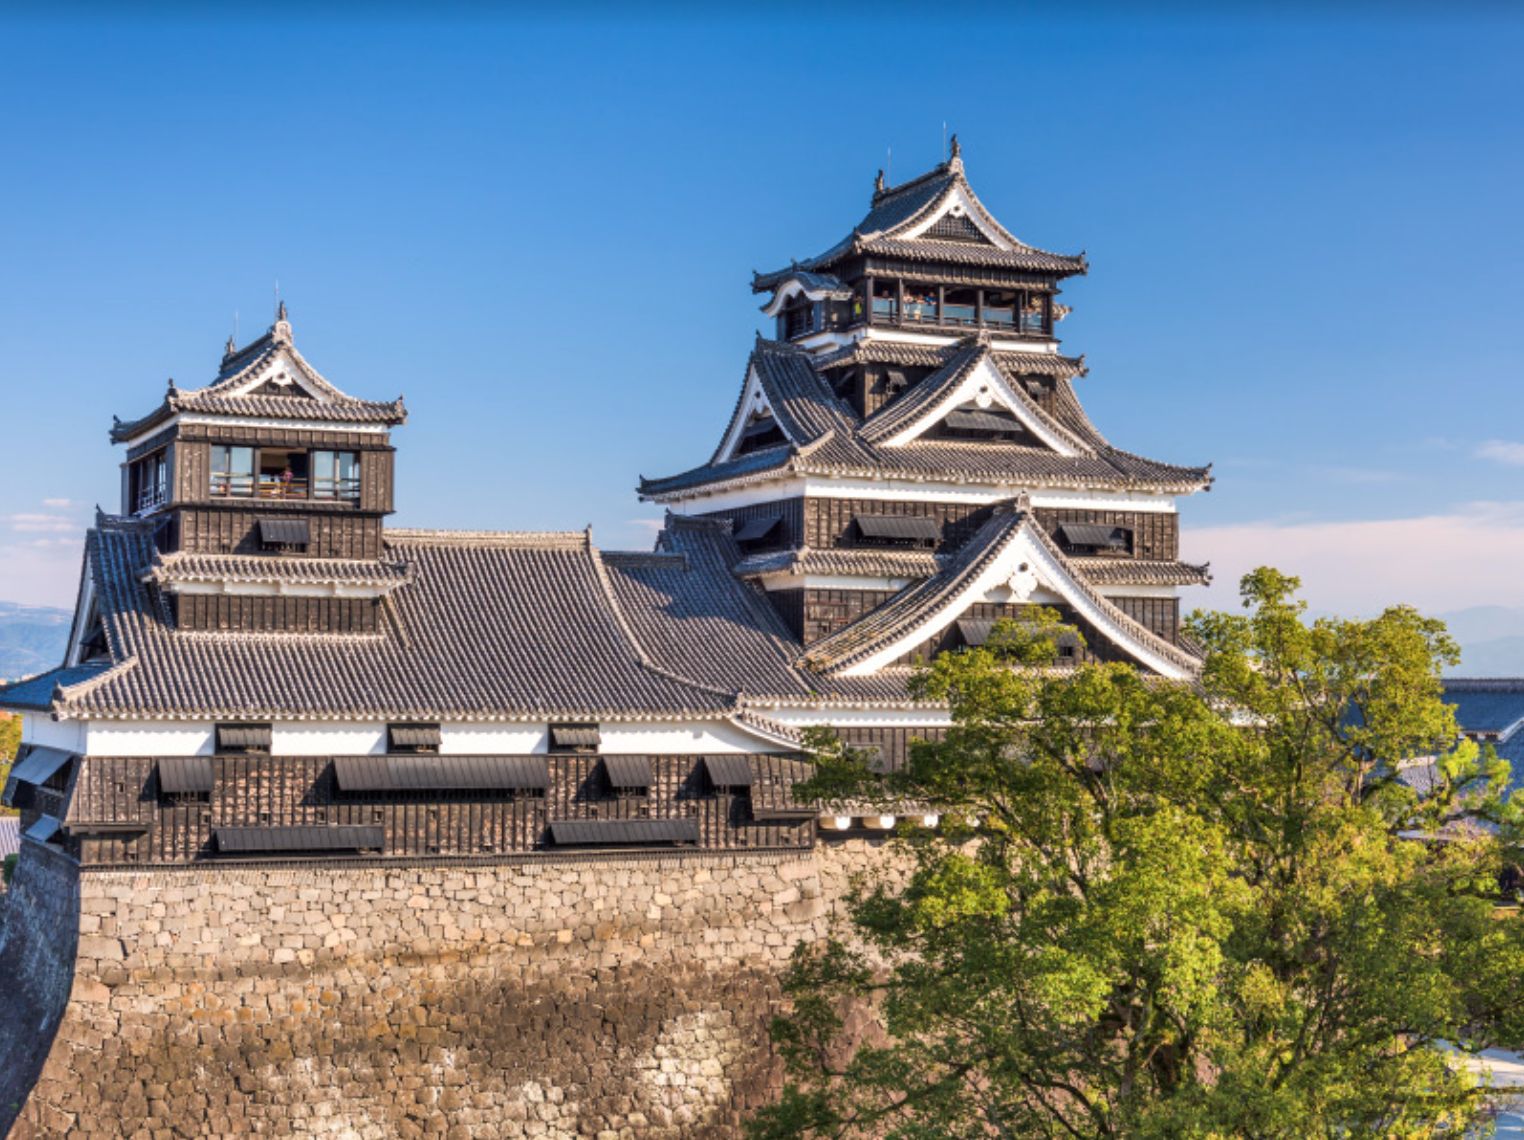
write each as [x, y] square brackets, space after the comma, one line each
[493, 626]
[914, 604]
[1013, 364]
[1140, 572]
[825, 438]
[192, 566]
[242, 369]
[858, 563]
[897, 209]
[693, 617]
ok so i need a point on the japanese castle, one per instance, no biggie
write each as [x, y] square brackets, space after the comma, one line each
[260, 668]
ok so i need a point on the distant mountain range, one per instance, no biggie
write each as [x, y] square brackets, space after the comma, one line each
[33, 638]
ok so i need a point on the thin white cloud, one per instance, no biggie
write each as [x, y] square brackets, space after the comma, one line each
[58, 504]
[1503, 451]
[652, 525]
[34, 523]
[1470, 557]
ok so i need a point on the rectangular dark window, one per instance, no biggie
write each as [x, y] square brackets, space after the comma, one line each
[336, 475]
[232, 471]
[236, 738]
[574, 738]
[284, 534]
[895, 530]
[412, 738]
[148, 482]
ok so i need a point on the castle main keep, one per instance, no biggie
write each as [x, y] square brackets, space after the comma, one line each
[332, 828]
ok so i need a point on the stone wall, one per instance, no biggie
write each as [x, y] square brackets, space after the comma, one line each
[38, 936]
[608, 997]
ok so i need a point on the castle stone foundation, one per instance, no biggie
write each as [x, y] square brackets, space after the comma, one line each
[612, 997]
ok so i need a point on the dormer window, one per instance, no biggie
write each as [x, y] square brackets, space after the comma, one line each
[1096, 539]
[973, 422]
[760, 431]
[761, 533]
[237, 739]
[574, 738]
[412, 738]
[894, 530]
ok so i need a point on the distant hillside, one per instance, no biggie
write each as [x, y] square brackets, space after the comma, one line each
[1491, 639]
[32, 638]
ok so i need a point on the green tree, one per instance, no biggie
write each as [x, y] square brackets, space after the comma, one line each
[1160, 910]
[10, 744]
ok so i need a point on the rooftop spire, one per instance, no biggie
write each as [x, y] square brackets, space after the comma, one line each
[955, 153]
[230, 348]
[878, 183]
[281, 329]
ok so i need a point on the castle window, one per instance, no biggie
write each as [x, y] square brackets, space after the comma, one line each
[243, 738]
[728, 773]
[188, 776]
[760, 533]
[336, 475]
[412, 738]
[921, 303]
[148, 482]
[282, 473]
[574, 738]
[232, 471]
[284, 535]
[886, 300]
[763, 431]
[894, 530]
[1000, 308]
[960, 307]
[1036, 316]
[799, 318]
[628, 775]
[973, 422]
[1096, 538]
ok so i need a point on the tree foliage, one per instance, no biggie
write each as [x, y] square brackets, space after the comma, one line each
[10, 744]
[1159, 910]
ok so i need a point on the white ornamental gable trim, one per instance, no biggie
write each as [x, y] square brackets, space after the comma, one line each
[959, 202]
[754, 405]
[1028, 569]
[985, 386]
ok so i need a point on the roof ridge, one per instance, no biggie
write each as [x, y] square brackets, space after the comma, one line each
[557, 539]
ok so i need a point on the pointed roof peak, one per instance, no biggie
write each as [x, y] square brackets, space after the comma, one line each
[955, 155]
[231, 348]
[281, 329]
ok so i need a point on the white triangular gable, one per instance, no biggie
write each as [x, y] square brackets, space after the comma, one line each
[754, 404]
[985, 386]
[960, 203]
[1027, 570]
[288, 373]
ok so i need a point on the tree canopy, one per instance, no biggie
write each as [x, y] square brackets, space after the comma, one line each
[1253, 906]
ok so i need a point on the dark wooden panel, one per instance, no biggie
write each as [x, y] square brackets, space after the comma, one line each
[890, 746]
[1156, 534]
[1160, 615]
[826, 611]
[265, 614]
[233, 529]
[828, 522]
[297, 791]
[1096, 647]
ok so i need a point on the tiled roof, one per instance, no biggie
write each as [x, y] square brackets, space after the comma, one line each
[183, 566]
[878, 351]
[826, 438]
[692, 617]
[861, 563]
[507, 626]
[896, 210]
[1491, 706]
[1140, 572]
[243, 369]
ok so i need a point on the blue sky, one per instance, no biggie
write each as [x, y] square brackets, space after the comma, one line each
[1304, 233]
